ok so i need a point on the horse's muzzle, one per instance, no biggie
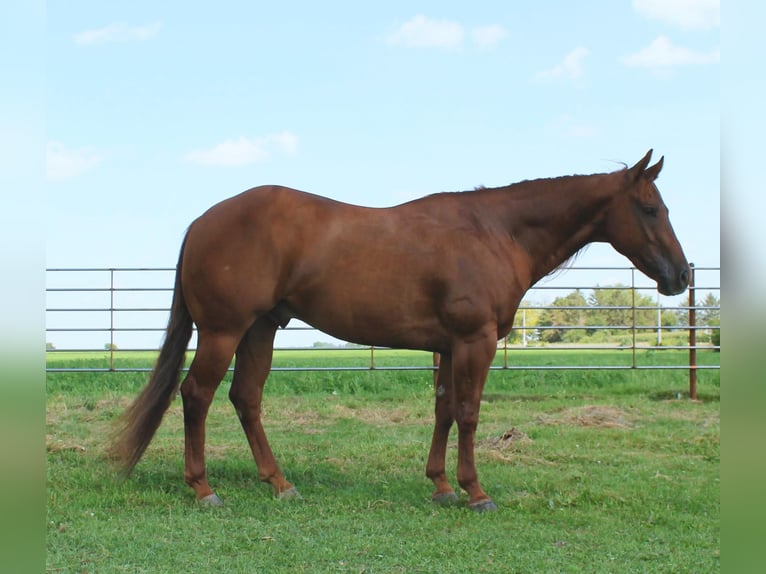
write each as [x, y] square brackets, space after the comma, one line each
[674, 283]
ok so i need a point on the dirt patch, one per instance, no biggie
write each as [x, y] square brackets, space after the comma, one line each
[599, 416]
[81, 425]
[704, 419]
[509, 448]
[375, 416]
[119, 404]
[53, 444]
[509, 439]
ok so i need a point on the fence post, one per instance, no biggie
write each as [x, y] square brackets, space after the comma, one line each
[111, 319]
[692, 337]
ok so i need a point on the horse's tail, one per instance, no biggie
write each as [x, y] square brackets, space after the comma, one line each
[142, 418]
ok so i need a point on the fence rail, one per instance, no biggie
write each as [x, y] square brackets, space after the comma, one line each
[119, 311]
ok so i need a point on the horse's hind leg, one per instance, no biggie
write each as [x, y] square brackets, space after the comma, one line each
[251, 368]
[212, 359]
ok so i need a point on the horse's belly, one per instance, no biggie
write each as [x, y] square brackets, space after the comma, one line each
[368, 323]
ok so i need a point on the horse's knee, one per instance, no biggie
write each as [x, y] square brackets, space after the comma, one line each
[235, 397]
[189, 391]
[245, 403]
[196, 398]
[467, 428]
[467, 418]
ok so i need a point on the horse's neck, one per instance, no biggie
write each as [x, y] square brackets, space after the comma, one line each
[553, 219]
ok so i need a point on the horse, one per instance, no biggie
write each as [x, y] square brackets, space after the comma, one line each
[444, 273]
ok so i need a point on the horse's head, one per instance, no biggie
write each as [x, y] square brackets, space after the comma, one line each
[638, 226]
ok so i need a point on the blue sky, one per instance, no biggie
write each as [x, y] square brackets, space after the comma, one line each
[156, 111]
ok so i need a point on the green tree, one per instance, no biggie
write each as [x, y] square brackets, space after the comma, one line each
[525, 323]
[670, 318]
[567, 311]
[709, 315]
[709, 310]
[614, 306]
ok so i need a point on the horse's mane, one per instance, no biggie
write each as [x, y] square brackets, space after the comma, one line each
[567, 264]
[542, 183]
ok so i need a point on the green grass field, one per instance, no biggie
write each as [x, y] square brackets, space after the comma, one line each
[599, 471]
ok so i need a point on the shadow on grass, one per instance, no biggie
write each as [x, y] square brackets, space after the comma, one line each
[508, 398]
[236, 481]
[714, 397]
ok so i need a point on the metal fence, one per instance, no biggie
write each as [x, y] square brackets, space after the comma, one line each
[118, 311]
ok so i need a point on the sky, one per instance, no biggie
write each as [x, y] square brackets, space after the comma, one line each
[157, 111]
[154, 111]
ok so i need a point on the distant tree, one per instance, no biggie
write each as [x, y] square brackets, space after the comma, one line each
[567, 312]
[110, 347]
[715, 336]
[709, 314]
[670, 318]
[50, 347]
[709, 310]
[616, 303]
[610, 306]
[525, 323]
[323, 345]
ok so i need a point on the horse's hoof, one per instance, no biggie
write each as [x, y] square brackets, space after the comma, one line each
[211, 500]
[290, 494]
[483, 506]
[444, 498]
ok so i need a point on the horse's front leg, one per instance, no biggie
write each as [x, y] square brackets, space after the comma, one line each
[471, 360]
[444, 415]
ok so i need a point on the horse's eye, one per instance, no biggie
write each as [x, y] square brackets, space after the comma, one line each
[650, 210]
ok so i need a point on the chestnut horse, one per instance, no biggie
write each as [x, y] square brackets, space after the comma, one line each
[444, 273]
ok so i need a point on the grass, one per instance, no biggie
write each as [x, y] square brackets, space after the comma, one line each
[593, 471]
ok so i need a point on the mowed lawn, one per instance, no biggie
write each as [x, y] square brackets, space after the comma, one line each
[592, 471]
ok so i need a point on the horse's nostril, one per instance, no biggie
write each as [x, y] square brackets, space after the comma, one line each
[685, 276]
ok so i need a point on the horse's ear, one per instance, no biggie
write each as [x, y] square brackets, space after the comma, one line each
[637, 170]
[651, 173]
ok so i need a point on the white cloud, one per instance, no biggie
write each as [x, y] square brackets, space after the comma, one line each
[117, 33]
[662, 54]
[488, 37]
[286, 142]
[62, 163]
[699, 14]
[244, 151]
[422, 32]
[570, 68]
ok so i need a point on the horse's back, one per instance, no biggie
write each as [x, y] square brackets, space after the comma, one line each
[388, 276]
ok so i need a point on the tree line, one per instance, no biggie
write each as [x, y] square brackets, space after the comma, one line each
[606, 315]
